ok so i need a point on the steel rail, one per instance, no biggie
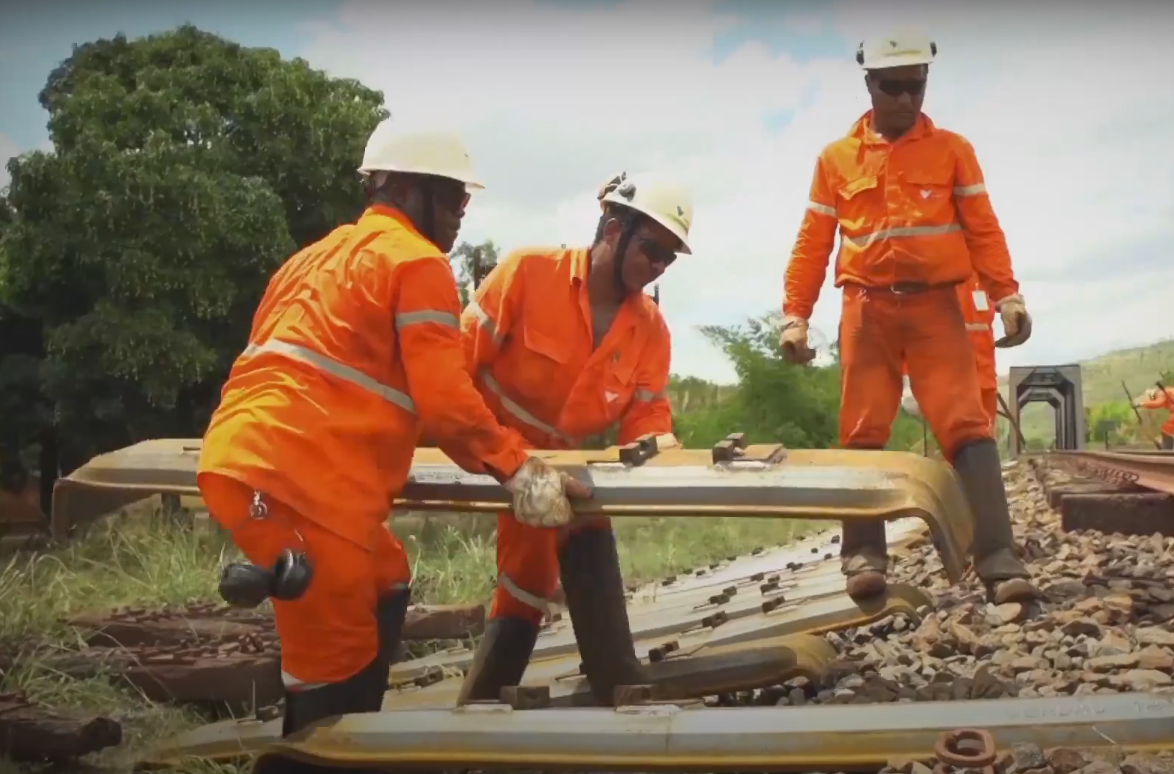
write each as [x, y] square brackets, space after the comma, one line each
[1150, 470]
[682, 738]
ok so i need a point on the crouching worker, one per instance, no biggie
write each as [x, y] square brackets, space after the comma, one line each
[354, 352]
[564, 344]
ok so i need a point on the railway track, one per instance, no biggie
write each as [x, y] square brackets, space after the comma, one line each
[1086, 679]
[1125, 491]
[761, 663]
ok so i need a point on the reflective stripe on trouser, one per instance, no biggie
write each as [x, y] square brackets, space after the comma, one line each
[330, 633]
[527, 568]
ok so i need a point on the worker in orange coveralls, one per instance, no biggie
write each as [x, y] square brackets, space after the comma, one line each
[354, 352]
[564, 344]
[1160, 398]
[980, 320]
[914, 219]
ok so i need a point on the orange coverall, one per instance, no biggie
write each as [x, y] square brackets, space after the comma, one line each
[914, 220]
[980, 319]
[1163, 400]
[354, 350]
[529, 343]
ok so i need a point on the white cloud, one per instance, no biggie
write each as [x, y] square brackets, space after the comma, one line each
[1068, 113]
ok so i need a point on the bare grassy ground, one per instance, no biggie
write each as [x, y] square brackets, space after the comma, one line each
[141, 558]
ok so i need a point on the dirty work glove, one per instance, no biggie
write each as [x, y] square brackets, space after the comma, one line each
[540, 494]
[1016, 321]
[794, 341]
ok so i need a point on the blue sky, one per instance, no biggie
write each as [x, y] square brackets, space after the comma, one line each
[736, 98]
[34, 38]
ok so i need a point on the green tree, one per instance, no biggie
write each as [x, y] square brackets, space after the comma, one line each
[185, 169]
[774, 400]
[1112, 423]
[471, 263]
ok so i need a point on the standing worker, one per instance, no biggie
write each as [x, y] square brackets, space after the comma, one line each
[980, 320]
[915, 220]
[355, 352]
[1160, 398]
[564, 344]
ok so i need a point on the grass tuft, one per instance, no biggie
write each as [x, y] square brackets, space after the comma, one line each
[141, 558]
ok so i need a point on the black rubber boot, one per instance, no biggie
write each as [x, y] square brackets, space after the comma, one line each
[362, 692]
[594, 589]
[501, 659]
[996, 557]
[864, 558]
[1167, 442]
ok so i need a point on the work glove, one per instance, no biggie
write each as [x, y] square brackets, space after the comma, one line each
[794, 341]
[1016, 322]
[540, 494]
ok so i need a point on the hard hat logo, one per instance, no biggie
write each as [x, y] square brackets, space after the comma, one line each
[902, 50]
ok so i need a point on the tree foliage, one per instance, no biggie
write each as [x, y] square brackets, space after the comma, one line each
[471, 263]
[185, 169]
[774, 400]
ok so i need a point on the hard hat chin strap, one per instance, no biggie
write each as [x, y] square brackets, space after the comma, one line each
[628, 230]
[428, 216]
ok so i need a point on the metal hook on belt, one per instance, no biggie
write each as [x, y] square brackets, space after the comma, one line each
[969, 748]
[258, 509]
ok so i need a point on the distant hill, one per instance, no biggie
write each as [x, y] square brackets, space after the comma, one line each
[1101, 378]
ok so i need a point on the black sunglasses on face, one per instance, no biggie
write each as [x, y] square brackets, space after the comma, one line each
[896, 87]
[655, 252]
[449, 194]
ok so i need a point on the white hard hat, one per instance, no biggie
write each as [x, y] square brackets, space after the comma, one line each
[442, 154]
[669, 204]
[899, 50]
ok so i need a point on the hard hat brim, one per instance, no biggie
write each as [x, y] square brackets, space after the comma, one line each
[890, 62]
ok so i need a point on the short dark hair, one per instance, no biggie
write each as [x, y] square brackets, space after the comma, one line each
[629, 217]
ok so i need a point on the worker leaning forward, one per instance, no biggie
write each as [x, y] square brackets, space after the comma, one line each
[979, 315]
[564, 344]
[914, 220]
[1160, 398]
[354, 353]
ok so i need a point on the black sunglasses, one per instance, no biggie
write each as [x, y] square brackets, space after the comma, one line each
[655, 252]
[446, 193]
[895, 87]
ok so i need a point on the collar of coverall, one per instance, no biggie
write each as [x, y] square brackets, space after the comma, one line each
[394, 214]
[579, 261]
[863, 130]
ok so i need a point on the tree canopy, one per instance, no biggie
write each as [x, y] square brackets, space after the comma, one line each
[185, 169]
